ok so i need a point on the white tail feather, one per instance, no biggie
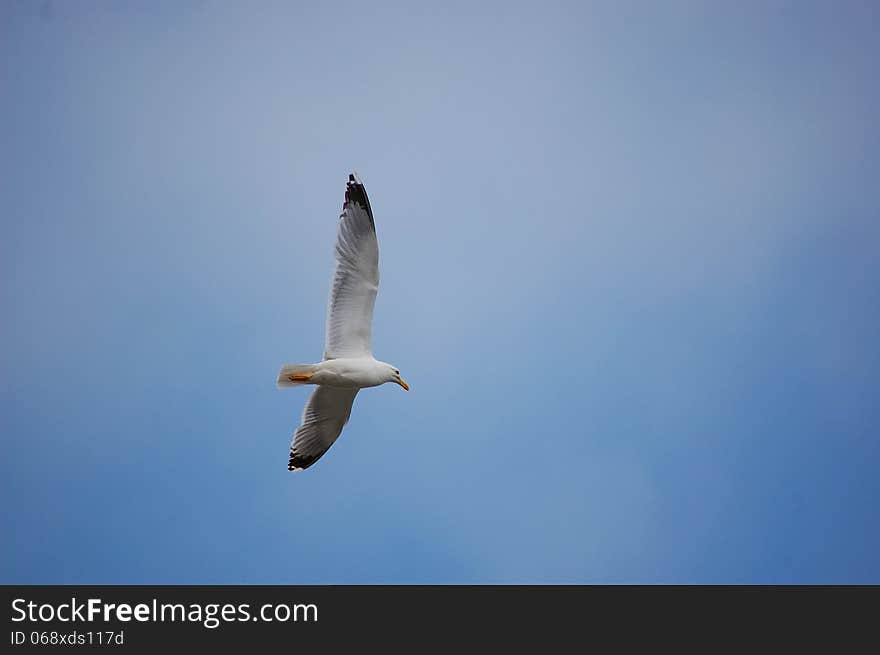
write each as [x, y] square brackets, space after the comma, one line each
[289, 370]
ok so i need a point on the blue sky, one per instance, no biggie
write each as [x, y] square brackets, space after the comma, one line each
[629, 267]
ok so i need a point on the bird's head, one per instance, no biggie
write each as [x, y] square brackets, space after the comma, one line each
[394, 376]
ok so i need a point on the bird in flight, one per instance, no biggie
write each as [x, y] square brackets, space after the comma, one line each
[348, 365]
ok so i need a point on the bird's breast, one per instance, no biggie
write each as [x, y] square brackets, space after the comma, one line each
[348, 373]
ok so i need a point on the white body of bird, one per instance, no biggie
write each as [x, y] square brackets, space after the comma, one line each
[345, 372]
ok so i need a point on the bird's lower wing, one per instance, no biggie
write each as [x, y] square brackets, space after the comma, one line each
[324, 416]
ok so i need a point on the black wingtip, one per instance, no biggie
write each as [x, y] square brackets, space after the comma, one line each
[356, 193]
[299, 463]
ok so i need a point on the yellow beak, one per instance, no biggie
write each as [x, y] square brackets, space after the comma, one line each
[402, 383]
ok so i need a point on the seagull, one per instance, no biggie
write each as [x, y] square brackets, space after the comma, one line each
[348, 365]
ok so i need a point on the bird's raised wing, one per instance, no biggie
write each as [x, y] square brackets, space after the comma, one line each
[356, 279]
[325, 415]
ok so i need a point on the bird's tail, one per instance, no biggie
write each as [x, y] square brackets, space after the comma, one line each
[293, 375]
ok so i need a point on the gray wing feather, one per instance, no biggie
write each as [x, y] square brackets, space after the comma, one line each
[324, 416]
[355, 280]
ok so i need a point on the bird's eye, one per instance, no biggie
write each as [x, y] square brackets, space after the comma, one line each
[396, 372]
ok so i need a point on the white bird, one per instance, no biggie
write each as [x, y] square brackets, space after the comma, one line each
[348, 363]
